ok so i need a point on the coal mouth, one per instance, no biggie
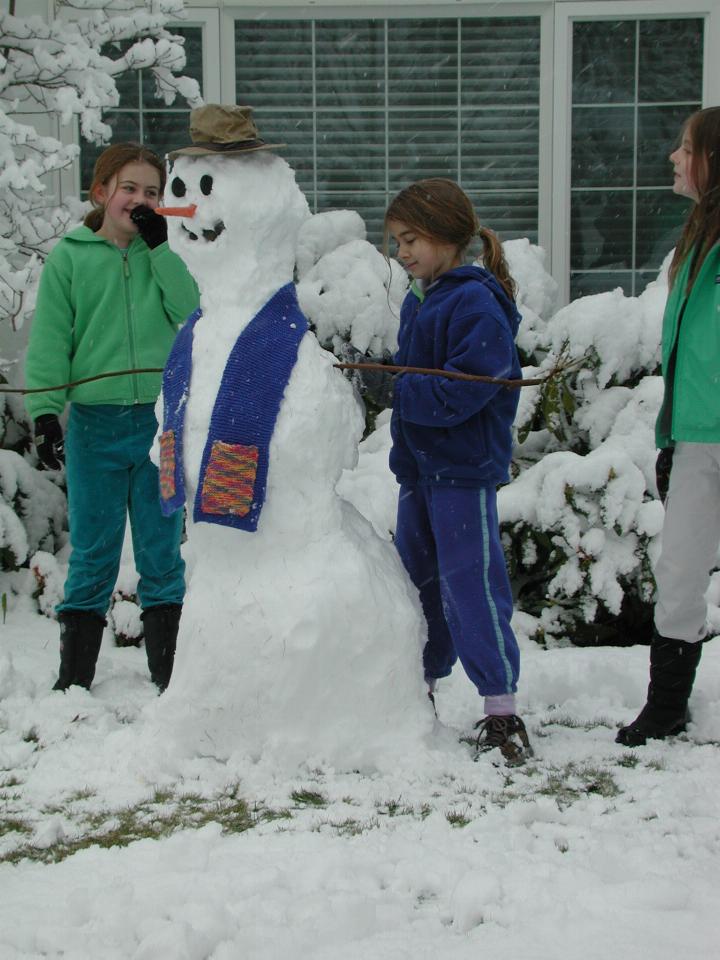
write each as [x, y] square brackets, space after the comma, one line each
[209, 235]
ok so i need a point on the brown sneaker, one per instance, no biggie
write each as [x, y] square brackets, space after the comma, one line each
[506, 734]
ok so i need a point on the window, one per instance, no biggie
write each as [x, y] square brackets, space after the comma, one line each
[634, 82]
[366, 106]
[141, 116]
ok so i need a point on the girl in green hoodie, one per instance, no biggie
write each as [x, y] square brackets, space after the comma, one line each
[112, 297]
[688, 435]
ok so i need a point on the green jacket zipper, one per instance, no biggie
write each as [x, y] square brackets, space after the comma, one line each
[129, 322]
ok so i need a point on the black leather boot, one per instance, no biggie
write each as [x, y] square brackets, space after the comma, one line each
[80, 638]
[161, 629]
[672, 673]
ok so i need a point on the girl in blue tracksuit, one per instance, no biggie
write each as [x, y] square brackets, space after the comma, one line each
[452, 446]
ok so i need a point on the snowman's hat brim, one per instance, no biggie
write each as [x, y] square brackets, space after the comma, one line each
[224, 149]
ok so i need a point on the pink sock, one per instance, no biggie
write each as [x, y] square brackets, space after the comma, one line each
[502, 706]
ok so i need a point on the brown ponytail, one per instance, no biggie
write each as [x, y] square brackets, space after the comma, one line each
[439, 210]
[108, 164]
[494, 260]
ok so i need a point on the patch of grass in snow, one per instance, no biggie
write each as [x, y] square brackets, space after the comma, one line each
[564, 720]
[10, 781]
[162, 815]
[458, 818]
[570, 783]
[394, 808]
[13, 825]
[308, 798]
[349, 827]
[629, 760]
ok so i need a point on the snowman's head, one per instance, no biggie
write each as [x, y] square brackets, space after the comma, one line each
[248, 212]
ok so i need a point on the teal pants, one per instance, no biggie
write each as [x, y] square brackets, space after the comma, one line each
[110, 477]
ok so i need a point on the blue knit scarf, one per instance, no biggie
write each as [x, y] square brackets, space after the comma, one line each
[233, 471]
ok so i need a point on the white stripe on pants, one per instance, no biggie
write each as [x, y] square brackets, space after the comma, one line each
[690, 539]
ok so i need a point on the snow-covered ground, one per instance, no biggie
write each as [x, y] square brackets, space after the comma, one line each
[591, 850]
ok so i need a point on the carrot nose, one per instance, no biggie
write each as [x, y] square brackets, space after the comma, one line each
[188, 211]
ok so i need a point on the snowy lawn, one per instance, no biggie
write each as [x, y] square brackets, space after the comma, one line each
[590, 850]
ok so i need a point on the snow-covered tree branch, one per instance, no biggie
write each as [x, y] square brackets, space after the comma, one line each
[63, 69]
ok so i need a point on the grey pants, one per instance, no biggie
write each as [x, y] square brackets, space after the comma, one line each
[690, 539]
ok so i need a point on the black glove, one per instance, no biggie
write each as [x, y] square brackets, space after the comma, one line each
[49, 441]
[151, 226]
[375, 386]
[663, 466]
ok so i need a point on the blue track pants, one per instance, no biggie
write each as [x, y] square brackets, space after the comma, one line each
[110, 477]
[449, 541]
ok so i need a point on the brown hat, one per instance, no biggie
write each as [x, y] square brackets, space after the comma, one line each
[215, 128]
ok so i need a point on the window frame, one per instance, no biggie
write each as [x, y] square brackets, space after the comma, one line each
[567, 13]
[531, 8]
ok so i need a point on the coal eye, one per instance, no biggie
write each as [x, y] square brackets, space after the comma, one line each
[178, 187]
[206, 183]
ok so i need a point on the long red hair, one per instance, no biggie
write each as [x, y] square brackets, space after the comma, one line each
[702, 228]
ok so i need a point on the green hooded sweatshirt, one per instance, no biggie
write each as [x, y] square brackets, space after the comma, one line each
[101, 309]
[691, 357]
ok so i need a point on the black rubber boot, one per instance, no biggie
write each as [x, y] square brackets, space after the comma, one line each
[672, 673]
[80, 638]
[161, 629]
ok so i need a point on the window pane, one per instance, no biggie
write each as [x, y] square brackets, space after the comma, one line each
[166, 130]
[658, 134]
[500, 61]
[604, 62]
[422, 145]
[296, 131]
[587, 284]
[273, 63]
[500, 149]
[510, 215]
[350, 63]
[603, 146]
[368, 106]
[655, 67]
[601, 229]
[350, 151]
[422, 63]
[660, 216]
[670, 53]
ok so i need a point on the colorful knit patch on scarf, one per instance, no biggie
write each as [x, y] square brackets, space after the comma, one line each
[230, 479]
[167, 464]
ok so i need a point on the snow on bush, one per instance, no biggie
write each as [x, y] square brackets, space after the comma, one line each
[347, 289]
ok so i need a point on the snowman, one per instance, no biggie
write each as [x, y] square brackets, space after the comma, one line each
[301, 636]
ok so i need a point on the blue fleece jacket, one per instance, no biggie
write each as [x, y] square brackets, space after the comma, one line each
[454, 432]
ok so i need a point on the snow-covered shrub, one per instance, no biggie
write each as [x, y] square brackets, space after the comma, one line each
[32, 512]
[346, 288]
[581, 518]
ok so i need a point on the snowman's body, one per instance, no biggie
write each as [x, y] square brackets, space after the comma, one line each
[303, 638]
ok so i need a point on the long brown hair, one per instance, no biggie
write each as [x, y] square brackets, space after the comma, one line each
[108, 164]
[441, 211]
[702, 228]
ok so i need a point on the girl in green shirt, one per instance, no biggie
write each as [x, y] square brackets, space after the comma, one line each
[112, 296]
[688, 435]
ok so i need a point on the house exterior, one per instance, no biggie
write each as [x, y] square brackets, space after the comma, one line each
[556, 117]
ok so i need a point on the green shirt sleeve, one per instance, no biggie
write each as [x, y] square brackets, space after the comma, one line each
[179, 291]
[49, 353]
